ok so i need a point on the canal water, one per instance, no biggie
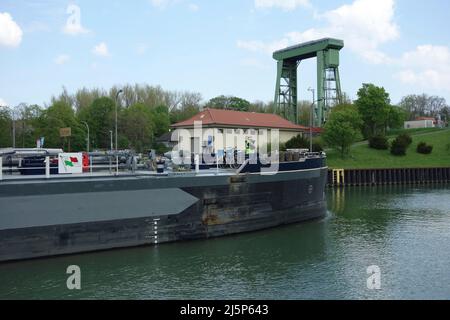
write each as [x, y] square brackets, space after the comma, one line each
[405, 231]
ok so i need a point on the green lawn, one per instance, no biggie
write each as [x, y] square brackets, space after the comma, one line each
[363, 157]
[394, 133]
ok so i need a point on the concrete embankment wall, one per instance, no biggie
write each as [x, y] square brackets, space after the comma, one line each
[378, 177]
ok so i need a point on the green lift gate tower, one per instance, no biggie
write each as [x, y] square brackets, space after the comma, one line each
[328, 82]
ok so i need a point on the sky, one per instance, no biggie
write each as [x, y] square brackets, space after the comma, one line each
[217, 47]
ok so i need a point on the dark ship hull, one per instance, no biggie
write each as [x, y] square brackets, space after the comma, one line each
[41, 218]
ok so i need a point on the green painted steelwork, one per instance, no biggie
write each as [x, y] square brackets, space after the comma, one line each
[328, 80]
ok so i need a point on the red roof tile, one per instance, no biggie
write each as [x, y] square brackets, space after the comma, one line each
[240, 119]
[425, 118]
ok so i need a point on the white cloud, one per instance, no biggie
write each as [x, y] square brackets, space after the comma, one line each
[193, 7]
[161, 3]
[427, 67]
[3, 103]
[62, 59]
[10, 32]
[287, 5]
[73, 25]
[101, 50]
[364, 25]
[427, 56]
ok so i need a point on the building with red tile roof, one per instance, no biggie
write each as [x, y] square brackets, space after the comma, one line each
[238, 119]
[218, 125]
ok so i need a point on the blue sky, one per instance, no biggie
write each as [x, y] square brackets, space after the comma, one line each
[217, 47]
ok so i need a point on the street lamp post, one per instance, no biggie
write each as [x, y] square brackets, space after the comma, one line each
[111, 136]
[117, 151]
[88, 140]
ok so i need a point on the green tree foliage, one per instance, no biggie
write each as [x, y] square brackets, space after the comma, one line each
[138, 126]
[60, 115]
[229, 103]
[343, 128]
[84, 98]
[26, 124]
[445, 115]
[374, 106]
[304, 113]
[100, 116]
[183, 114]
[5, 128]
[396, 118]
[160, 120]
[300, 142]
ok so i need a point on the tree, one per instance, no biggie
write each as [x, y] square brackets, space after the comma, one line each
[60, 115]
[27, 124]
[422, 105]
[304, 113]
[138, 127]
[229, 103]
[445, 114]
[373, 104]
[85, 97]
[396, 118]
[160, 120]
[5, 127]
[343, 128]
[100, 116]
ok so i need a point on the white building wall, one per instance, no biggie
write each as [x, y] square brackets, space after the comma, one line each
[420, 124]
[217, 139]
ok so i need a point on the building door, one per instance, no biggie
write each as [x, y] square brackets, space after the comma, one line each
[195, 146]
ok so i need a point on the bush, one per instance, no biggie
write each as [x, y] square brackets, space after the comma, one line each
[406, 139]
[379, 143]
[423, 148]
[160, 148]
[317, 146]
[398, 147]
[299, 142]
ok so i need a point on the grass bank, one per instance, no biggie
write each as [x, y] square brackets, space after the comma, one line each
[362, 157]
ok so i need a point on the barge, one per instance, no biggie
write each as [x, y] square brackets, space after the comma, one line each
[44, 216]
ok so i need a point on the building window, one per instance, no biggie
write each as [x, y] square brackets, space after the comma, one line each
[237, 131]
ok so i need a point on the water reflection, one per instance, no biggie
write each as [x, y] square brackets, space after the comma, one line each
[405, 231]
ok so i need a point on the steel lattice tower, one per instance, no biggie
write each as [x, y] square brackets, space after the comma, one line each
[328, 82]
